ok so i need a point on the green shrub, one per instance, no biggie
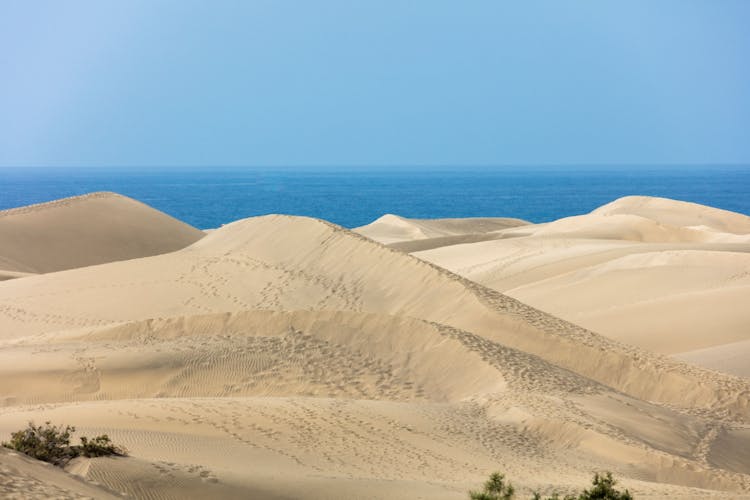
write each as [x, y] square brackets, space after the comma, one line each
[51, 443]
[603, 489]
[100, 446]
[494, 489]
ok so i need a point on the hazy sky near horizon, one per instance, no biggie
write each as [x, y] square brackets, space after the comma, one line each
[386, 82]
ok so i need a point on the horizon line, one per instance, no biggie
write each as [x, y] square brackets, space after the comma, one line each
[393, 166]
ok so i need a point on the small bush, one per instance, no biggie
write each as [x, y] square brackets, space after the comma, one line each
[603, 489]
[51, 443]
[100, 446]
[494, 489]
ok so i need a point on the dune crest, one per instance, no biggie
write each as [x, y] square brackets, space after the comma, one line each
[86, 230]
[393, 229]
[678, 213]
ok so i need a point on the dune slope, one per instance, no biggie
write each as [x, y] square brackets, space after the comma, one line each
[23, 477]
[392, 229]
[86, 230]
[303, 393]
[290, 263]
[664, 275]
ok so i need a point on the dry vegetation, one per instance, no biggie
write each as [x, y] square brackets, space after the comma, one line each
[51, 443]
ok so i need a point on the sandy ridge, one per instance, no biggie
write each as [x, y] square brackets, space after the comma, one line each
[24, 478]
[575, 348]
[86, 230]
[727, 385]
[62, 202]
[664, 275]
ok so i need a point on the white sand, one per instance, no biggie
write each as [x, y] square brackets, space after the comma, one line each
[285, 357]
[421, 234]
[667, 276]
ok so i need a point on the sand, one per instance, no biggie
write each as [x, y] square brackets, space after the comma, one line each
[668, 276]
[83, 231]
[399, 231]
[286, 357]
[23, 477]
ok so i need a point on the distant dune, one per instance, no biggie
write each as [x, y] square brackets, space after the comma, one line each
[731, 357]
[286, 357]
[86, 230]
[664, 275]
[679, 214]
[421, 234]
[9, 275]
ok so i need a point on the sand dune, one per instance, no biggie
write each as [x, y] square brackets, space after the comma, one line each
[664, 275]
[22, 477]
[303, 394]
[291, 263]
[731, 357]
[689, 299]
[262, 353]
[9, 275]
[86, 230]
[679, 213]
[391, 228]
[286, 357]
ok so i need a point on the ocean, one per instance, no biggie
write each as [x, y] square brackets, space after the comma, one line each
[209, 197]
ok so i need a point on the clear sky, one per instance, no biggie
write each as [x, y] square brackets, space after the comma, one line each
[381, 82]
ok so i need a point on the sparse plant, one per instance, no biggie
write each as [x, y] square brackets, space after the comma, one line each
[100, 446]
[51, 443]
[494, 489]
[603, 489]
[555, 496]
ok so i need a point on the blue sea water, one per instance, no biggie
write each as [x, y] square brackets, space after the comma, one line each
[209, 197]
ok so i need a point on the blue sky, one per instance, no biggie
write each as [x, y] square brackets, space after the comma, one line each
[374, 82]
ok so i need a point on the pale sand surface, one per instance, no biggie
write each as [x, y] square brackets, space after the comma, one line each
[285, 357]
[733, 357]
[667, 276]
[86, 230]
[23, 477]
[9, 275]
[394, 229]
